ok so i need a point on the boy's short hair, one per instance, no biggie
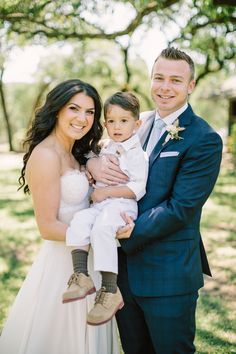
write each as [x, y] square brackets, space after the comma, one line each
[172, 53]
[126, 100]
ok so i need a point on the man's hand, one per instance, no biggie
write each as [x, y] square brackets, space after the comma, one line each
[125, 231]
[106, 169]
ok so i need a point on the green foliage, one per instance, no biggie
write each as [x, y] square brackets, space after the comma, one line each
[204, 29]
[19, 99]
[209, 31]
[208, 102]
[98, 63]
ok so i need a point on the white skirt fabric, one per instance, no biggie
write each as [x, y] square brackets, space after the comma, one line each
[39, 323]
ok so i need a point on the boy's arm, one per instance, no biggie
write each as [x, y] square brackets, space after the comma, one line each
[102, 193]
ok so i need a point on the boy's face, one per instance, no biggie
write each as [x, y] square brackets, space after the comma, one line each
[120, 123]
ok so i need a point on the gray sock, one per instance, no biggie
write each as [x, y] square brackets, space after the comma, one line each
[80, 259]
[109, 281]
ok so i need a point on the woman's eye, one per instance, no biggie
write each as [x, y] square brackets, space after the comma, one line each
[90, 112]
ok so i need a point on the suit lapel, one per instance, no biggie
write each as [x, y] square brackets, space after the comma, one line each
[184, 120]
[157, 149]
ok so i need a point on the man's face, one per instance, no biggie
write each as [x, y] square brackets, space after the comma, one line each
[171, 84]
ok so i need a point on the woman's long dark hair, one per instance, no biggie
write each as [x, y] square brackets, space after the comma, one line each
[45, 121]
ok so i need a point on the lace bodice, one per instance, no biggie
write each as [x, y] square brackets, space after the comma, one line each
[74, 194]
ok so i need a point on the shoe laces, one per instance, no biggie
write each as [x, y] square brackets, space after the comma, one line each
[101, 296]
[74, 279]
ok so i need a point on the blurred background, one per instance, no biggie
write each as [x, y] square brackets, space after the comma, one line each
[112, 45]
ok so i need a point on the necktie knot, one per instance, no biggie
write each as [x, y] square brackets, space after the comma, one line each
[155, 134]
[159, 123]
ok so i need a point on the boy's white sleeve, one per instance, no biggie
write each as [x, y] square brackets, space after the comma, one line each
[138, 173]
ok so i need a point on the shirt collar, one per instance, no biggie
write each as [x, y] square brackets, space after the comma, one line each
[168, 120]
[127, 144]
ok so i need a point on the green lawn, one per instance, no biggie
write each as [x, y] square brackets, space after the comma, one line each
[216, 315]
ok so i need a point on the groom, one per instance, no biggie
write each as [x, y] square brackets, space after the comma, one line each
[161, 265]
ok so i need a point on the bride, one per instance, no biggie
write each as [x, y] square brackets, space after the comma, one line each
[64, 130]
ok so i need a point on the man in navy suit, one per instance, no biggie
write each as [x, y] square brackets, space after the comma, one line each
[162, 261]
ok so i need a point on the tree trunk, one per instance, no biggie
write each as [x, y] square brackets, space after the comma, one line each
[5, 114]
[37, 102]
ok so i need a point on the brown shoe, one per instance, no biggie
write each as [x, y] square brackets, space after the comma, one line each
[79, 286]
[106, 306]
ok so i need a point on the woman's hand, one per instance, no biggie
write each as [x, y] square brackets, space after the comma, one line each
[87, 174]
[106, 169]
[125, 231]
[89, 177]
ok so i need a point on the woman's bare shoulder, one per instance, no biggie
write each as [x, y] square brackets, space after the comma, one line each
[44, 158]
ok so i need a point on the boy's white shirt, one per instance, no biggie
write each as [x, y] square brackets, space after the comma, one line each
[133, 162]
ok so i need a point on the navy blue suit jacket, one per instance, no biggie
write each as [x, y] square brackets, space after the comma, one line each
[165, 253]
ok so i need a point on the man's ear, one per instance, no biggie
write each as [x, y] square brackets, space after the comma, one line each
[191, 86]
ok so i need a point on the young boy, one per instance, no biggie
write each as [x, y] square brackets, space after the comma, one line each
[98, 224]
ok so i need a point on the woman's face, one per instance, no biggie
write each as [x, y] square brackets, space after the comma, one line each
[76, 118]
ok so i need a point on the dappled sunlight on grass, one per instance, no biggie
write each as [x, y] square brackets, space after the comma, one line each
[215, 325]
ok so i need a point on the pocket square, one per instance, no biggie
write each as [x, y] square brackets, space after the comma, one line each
[169, 153]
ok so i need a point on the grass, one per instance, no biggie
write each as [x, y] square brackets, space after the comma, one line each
[216, 313]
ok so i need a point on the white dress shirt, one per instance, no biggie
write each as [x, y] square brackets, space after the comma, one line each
[133, 162]
[168, 120]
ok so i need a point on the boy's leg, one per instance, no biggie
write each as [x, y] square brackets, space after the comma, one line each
[78, 234]
[103, 234]
[109, 282]
[104, 243]
[80, 261]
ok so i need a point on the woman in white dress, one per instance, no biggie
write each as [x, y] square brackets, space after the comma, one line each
[64, 130]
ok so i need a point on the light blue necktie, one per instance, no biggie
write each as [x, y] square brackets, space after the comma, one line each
[155, 135]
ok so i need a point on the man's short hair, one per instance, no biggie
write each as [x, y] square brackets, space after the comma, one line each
[172, 53]
[126, 100]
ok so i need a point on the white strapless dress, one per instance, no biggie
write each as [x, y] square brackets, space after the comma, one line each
[38, 322]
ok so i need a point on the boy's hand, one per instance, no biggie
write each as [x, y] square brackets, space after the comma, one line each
[98, 195]
[125, 231]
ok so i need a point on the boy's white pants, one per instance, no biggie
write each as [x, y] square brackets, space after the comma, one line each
[98, 225]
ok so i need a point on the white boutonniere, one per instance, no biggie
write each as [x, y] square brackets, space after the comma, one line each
[173, 132]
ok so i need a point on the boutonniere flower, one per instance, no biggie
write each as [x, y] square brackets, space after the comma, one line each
[173, 131]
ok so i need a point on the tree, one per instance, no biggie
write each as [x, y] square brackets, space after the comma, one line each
[5, 49]
[205, 27]
[209, 31]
